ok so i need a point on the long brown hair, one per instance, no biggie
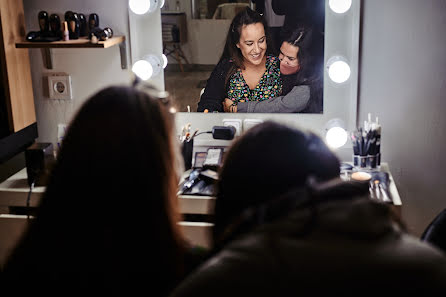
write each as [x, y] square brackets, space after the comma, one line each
[109, 215]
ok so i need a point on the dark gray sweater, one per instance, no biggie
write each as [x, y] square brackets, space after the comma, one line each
[296, 100]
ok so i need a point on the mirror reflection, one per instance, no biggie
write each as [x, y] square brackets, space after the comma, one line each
[263, 56]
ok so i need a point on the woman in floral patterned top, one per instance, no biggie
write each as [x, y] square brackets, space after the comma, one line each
[247, 70]
[269, 86]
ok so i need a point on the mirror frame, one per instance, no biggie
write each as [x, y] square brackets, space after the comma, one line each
[340, 100]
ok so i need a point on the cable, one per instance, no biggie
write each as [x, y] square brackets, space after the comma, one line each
[208, 132]
[31, 187]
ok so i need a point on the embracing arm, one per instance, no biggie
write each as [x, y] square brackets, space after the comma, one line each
[296, 100]
[215, 90]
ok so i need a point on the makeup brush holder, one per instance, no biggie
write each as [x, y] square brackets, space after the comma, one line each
[360, 161]
[372, 161]
[366, 162]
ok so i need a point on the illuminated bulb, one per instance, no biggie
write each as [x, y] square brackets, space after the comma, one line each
[338, 70]
[336, 137]
[340, 6]
[139, 6]
[164, 61]
[172, 110]
[143, 6]
[147, 67]
[143, 69]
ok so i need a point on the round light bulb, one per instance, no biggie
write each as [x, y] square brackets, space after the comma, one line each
[164, 61]
[340, 6]
[338, 70]
[336, 137]
[143, 69]
[140, 6]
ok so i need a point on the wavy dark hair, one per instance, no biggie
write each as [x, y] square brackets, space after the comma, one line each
[245, 17]
[311, 60]
[258, 169]
[108, 218]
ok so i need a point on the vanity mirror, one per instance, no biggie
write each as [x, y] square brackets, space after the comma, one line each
[341, 48]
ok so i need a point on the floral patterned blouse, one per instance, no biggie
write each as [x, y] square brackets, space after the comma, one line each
[269, 86]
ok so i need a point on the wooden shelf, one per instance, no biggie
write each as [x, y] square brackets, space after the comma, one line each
[82, 42]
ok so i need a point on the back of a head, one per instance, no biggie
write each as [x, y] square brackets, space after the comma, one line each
[269, 160]
[110, 201]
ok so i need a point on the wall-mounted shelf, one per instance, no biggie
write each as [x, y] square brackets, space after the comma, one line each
[76, 43]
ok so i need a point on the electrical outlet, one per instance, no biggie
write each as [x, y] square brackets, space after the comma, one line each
[60, 87]
[249, 123]
[236, 123]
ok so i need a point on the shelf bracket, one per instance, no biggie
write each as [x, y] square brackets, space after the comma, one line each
[47, 58]
[123, 52]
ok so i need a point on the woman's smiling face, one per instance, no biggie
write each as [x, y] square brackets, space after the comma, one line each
[252, 43]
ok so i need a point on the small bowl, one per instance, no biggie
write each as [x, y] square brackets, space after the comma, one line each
[361, 176]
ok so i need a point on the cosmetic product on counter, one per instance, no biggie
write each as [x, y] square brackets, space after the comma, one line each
[83, 25]
[366, 145]
[66, 33]
[93, 21]
[44, 23]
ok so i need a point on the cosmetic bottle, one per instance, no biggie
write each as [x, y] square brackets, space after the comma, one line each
[68, 15]
[93, 21]
[93, 38]
[44, 23]
[100, 34]
[83, 25]
[109, 32]
[74, 26]
[55, 25]
[66, 34]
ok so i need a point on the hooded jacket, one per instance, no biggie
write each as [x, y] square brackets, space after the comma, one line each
[344, 244]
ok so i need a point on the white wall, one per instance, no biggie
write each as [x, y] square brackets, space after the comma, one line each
[90, 69]
[403, 81]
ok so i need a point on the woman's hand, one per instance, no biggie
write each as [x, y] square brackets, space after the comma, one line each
[228, 106]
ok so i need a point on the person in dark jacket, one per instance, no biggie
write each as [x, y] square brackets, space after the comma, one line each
[286, 225]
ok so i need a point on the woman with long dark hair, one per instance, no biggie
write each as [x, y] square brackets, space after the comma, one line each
[247, 70]
[107, 222]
